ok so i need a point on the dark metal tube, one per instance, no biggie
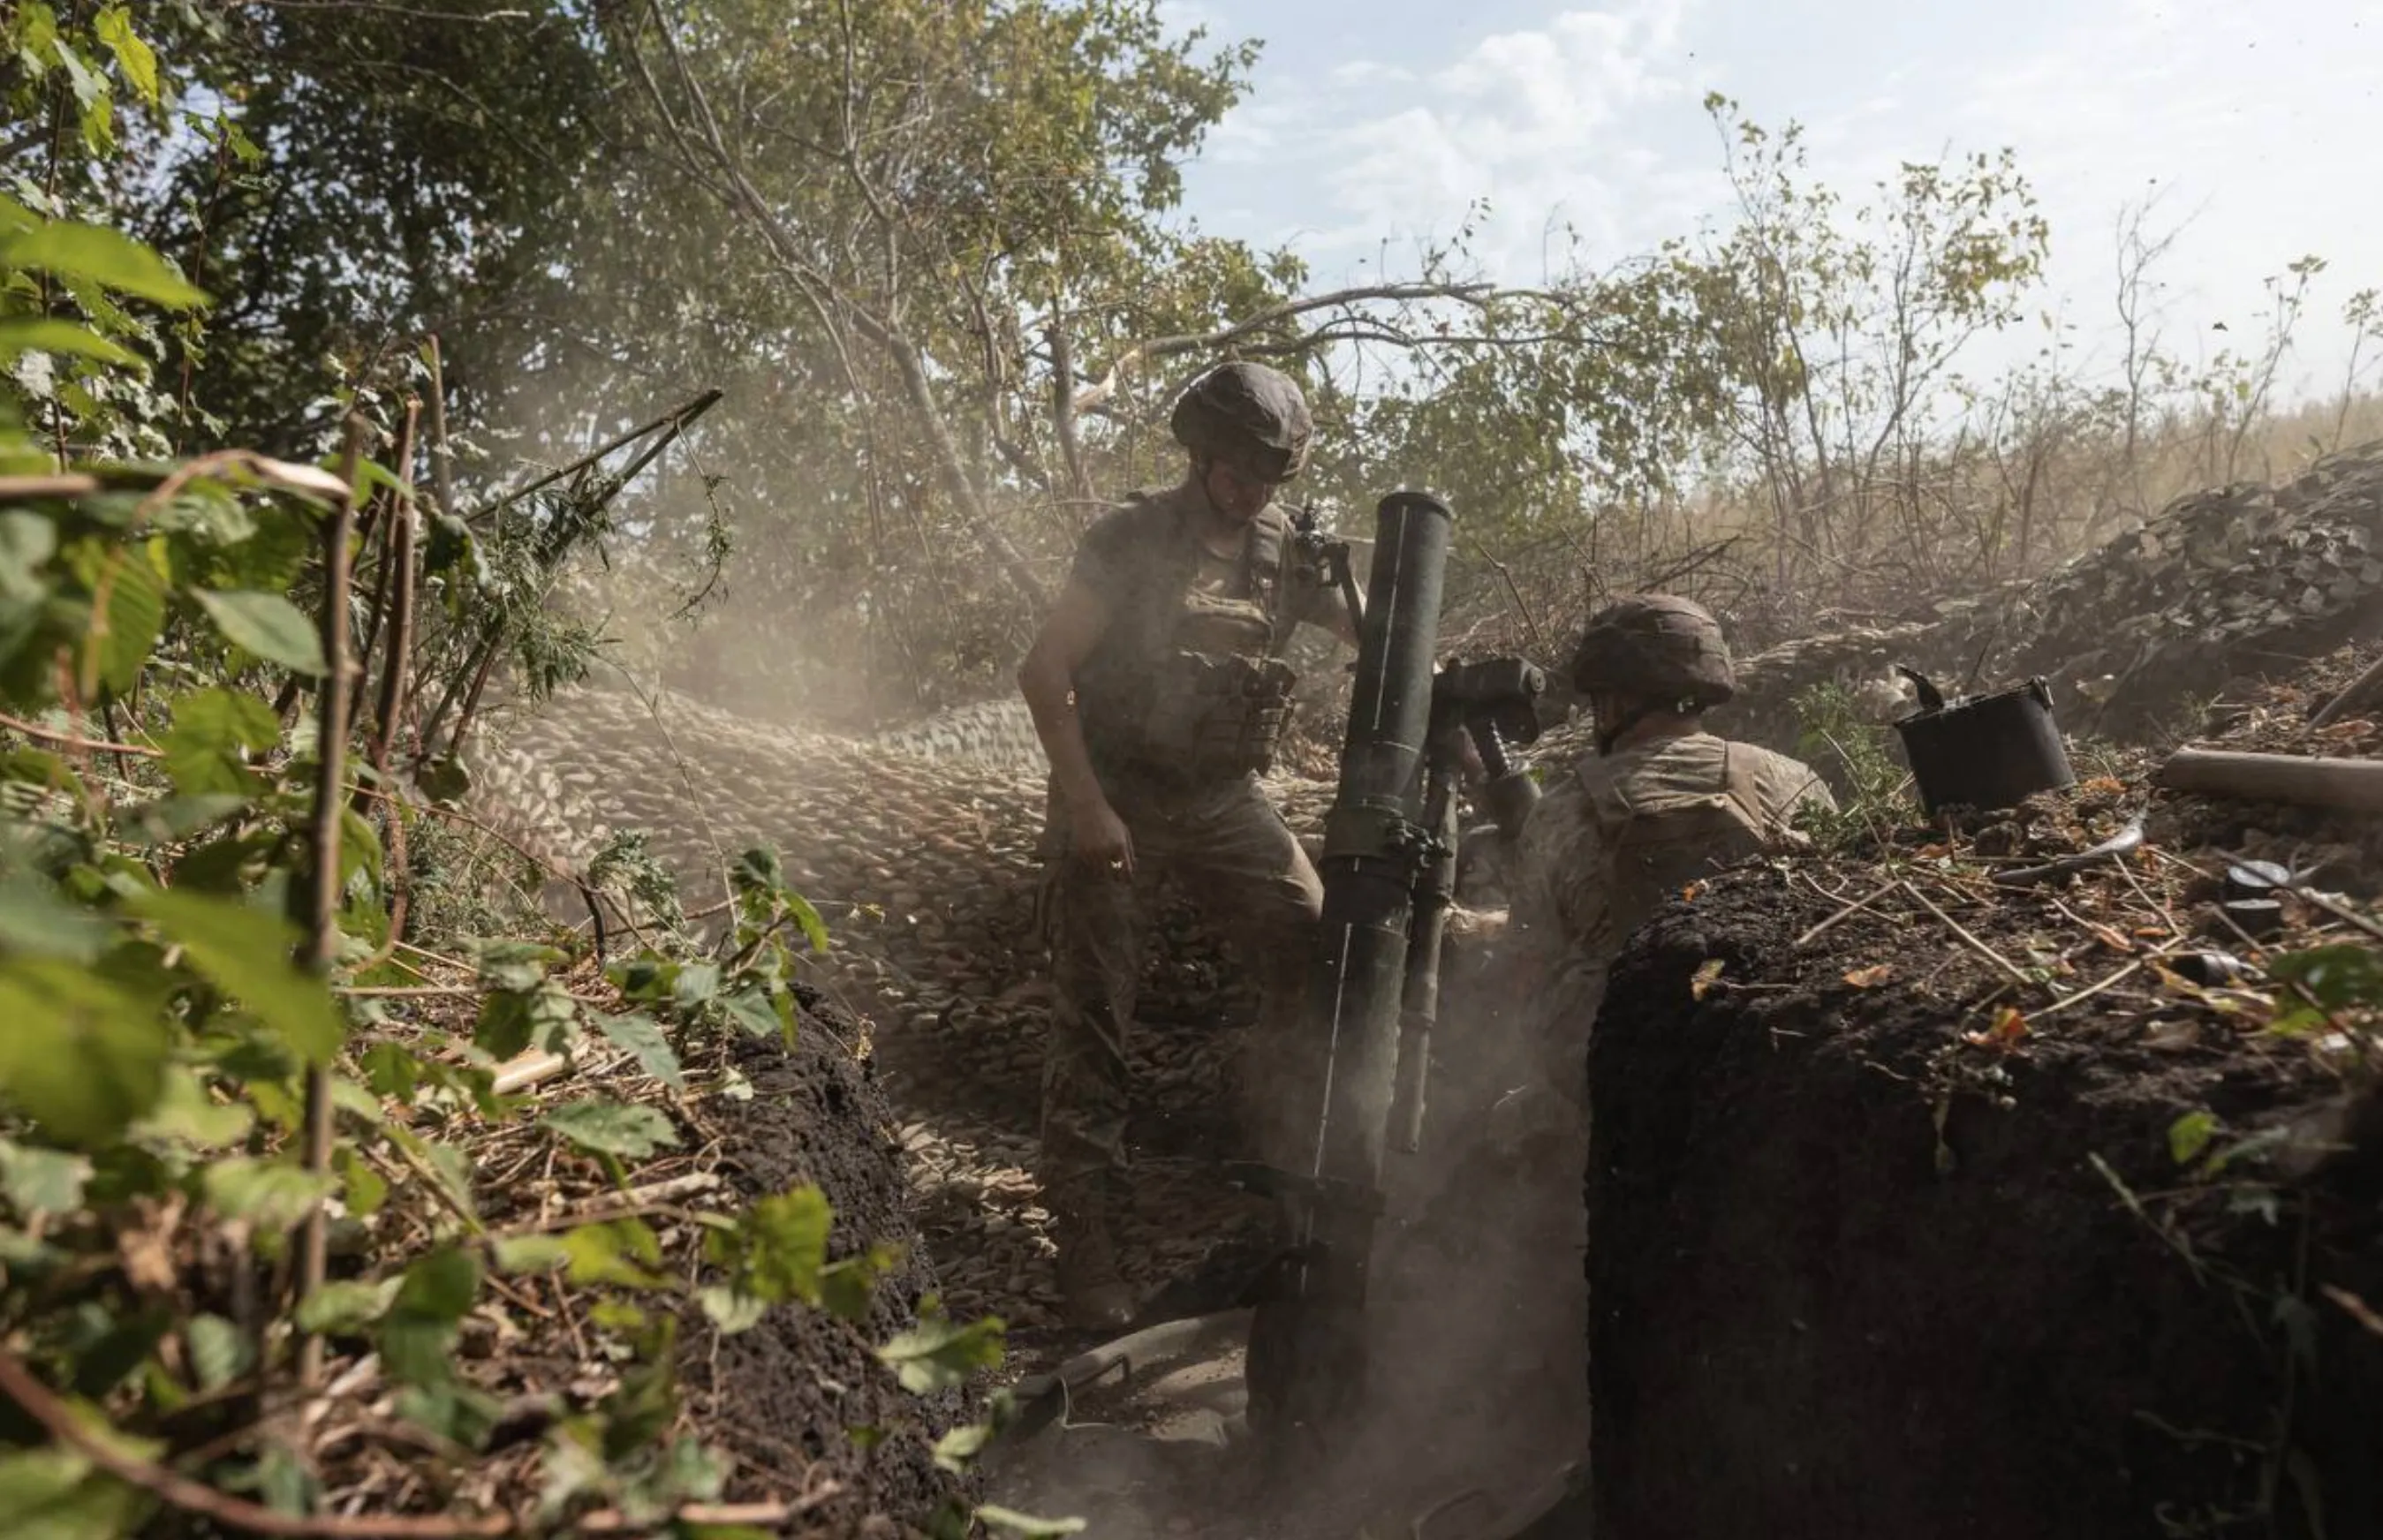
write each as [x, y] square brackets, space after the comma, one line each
[1307, 1352]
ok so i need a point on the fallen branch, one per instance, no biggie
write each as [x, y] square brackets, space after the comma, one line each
[2354, 696]
[68, 740]
[2355, 786]
[1856, 907]
[628, 1205]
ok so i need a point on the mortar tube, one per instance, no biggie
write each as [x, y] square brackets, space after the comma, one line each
[1306, 1359]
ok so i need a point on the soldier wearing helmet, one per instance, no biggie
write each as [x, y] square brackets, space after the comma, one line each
[1658, 804]
[1661, 803]
[1159, 692]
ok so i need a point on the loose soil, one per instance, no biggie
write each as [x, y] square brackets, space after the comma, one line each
[1891, 1242]
[790, 1393]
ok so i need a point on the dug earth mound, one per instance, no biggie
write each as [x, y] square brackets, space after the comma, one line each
[1927, 1205]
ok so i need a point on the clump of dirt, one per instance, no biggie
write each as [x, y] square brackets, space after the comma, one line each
[1925, 1206]
[802, 1392]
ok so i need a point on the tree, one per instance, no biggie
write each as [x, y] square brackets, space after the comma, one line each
[1841, 327]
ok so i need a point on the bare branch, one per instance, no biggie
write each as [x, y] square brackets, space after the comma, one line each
[1478, 295]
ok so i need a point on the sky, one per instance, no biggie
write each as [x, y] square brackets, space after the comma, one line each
[2255, 127]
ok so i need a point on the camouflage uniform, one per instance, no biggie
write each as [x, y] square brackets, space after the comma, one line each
[1214, 834]
[1618, 835]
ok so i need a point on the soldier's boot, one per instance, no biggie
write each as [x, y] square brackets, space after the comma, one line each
[1090, 1291]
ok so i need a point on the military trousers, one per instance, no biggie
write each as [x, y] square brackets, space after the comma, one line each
[1233, 854]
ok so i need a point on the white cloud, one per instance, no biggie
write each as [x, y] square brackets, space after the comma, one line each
[1365, 74]
[2257, 120]
[1525, 119]
[2257, 126]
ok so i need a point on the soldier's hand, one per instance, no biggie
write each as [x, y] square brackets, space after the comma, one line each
[1098, 837]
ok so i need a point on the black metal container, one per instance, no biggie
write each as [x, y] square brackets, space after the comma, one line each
[1985, 751]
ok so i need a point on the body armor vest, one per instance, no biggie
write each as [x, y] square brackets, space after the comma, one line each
[1186, 687]
[1669, 830]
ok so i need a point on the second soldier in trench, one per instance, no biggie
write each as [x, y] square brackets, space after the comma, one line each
[1159, 692]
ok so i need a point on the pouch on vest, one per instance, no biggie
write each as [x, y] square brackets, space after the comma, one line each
[1216, 717]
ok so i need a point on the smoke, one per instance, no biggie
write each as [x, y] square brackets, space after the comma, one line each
[1477, 1326]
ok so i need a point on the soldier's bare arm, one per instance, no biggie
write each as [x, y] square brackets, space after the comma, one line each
[1047, 680]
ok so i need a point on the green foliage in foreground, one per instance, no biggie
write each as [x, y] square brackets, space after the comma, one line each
[206, 1086]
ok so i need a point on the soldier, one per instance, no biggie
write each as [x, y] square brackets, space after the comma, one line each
[1661, 802]
[1158, 691]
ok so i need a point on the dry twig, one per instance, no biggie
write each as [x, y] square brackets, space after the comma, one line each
[43, 1406]
[322, 880]
[2009, 968]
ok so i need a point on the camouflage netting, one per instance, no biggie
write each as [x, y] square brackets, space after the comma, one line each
[919, 849]
[2220, 590]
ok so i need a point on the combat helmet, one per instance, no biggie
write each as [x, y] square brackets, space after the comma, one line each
[1657, 645]
[1249, 415]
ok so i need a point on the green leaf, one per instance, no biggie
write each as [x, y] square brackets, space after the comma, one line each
[103, 256]
[114, 25]
[2189, 1135]
[246, 953]
[414, 1349]
[642, 1036]
[391, 1071]
[211, 732]
[757, 871]
[620, 1317]
[362, 1190]
[695, 983]
[2334, 978]
[531, 1254]
[82, 1056]
[271, 1194]
[847, 1288]
[52, 1494]
[613, 1128]
[731, 1310]
[347, 1306]
[618, 1251]
[267, 624]
[445, 781]
[813, 928]
[186, 1114]
[219, 1353]
[49, 334]
[175, 820]
[442, 1286]
[512, 964]
[958, 1448]
[753, 1010]
[780, 1245]
[42, 1182]
[28, 541]
[511, 1022]
[34, 923]
[359, 847]
[938, 1354]
[117, 645]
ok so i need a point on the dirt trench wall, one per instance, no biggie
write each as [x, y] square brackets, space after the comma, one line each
[786, 1397]
[1801, 1327]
